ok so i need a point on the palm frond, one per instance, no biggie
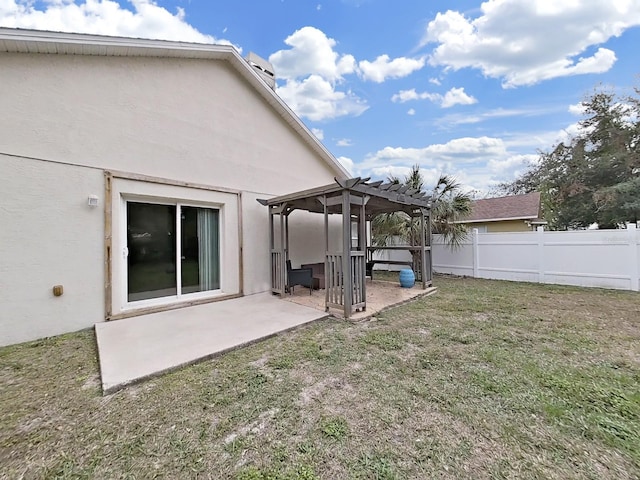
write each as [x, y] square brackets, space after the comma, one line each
[450, 205]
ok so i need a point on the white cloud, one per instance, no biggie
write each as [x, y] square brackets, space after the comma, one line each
[577, 109]
[146, 19]
[455, 96]
[567, 134]
[411, 111]
[313, 59]
[524, 42]
[311, 52]
[513, 164]
[461, 119]
[466, 149]
[407, 95]
[471, 147]
[435, 81]
[383, 67]
[316, 99]
[348, 164]
[344, 142]
[390, 171]
[477, 162]
[312, 72]
[480, 181]
[318, 133]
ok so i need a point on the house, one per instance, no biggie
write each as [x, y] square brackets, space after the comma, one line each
[129, 174]
[513, 213]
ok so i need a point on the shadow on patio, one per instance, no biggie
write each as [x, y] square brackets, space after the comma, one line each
[381, 295]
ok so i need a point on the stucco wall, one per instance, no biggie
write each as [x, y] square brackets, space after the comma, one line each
[185, 120]
[49, 236]
[188, 120]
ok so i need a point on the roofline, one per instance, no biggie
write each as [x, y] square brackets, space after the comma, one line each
[528, 217]
[12, 39]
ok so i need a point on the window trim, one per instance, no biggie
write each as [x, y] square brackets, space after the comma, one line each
[230, 202]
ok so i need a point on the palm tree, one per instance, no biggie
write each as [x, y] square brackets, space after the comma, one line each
[449, 204]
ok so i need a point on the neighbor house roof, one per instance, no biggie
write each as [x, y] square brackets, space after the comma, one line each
[35, 41]
[513, 207]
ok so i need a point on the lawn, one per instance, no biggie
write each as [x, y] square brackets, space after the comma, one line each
[485, 379]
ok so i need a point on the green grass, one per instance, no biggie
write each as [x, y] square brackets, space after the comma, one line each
[485, 379]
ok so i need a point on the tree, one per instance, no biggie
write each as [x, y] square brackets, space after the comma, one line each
[595, 177]
[449, 204]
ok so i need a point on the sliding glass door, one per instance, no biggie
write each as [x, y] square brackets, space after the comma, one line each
[173, 250]
[200, 250]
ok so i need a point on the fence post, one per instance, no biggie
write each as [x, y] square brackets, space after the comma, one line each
[633, 257]
[476, 256]
[540, 236]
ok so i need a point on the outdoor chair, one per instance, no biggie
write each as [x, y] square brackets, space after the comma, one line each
[299, 276]
[369, 269]
[318, 274]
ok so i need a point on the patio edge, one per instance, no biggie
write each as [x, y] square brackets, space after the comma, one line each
[111, 389]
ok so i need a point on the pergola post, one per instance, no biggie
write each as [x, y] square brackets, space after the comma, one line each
[326, 255]
[347, 277]
[286, 234]
[362, 240]
[423, 256]
[271, 229]
[279, 255]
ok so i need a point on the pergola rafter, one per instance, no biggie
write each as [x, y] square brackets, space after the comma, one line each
[355, 199]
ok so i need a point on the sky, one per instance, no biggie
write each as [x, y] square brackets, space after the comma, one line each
[467, 88]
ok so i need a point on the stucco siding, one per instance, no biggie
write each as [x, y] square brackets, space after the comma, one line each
[255, 251]
[49, 236]
[188, 120]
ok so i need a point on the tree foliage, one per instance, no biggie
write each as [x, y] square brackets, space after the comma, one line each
[449, 204]
[594, 178]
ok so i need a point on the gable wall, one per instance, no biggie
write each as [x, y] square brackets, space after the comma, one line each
[189, 120]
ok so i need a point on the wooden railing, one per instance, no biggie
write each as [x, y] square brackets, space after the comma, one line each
[278, 271]
[335, 281]
[358, 272]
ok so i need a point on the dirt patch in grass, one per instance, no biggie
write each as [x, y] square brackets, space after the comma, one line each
[483, 380]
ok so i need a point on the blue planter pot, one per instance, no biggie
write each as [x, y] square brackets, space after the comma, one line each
[407, 278]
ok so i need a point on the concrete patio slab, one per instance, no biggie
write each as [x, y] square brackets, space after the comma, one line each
[136, 348]
[381, 295]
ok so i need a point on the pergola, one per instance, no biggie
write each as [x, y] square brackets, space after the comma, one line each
[359, 201]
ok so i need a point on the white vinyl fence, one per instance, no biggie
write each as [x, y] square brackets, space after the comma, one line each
[588, 258]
